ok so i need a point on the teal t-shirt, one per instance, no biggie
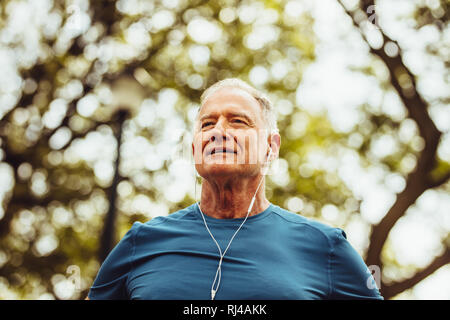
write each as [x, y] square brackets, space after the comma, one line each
[276, 255]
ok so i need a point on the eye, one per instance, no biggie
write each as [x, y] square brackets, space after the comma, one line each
[238, 121]
[207, 123]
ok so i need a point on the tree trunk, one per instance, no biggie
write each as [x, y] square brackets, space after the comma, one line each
[107, 240]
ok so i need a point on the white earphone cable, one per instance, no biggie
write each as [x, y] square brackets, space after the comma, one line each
[218, 275]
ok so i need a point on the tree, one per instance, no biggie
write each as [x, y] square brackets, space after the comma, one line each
[83, 167]
[430, 171]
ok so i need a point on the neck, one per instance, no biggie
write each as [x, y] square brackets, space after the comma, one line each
[228, 199]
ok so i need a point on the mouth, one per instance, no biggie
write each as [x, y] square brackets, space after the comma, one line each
[220, 151]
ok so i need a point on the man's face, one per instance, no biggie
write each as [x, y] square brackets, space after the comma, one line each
[230, 137]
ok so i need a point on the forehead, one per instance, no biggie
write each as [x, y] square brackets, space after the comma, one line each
[231, 99]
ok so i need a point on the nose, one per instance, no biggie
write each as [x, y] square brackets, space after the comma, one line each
[218, 133]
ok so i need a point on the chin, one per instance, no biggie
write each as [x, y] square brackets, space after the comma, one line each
[222, 169]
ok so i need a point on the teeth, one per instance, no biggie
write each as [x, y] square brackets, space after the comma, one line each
[221, 151]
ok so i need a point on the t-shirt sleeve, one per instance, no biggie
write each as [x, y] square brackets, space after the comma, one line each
[111, 280]
[350, 277]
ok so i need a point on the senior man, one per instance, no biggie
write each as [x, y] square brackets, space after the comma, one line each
[234, 243]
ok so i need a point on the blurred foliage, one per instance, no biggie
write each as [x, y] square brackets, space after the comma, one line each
[58, 144]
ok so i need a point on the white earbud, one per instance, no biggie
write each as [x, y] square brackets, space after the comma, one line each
[266, 168]
[270, 153]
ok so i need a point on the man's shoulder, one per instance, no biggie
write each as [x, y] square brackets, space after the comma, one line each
[297, 218]
[182, 214]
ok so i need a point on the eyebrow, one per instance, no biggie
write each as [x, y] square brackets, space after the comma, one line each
[228, 114]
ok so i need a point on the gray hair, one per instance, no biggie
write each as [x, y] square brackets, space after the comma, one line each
[268, 110]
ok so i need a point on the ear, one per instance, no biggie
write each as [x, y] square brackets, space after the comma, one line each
[274, 141]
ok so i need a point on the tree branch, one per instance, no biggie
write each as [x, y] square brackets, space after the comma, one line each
[393, 289]
[439, 181]
[412, 100]
[417, 181]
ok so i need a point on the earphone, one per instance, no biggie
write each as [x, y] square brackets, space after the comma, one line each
[266, 169]
[218, 276]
